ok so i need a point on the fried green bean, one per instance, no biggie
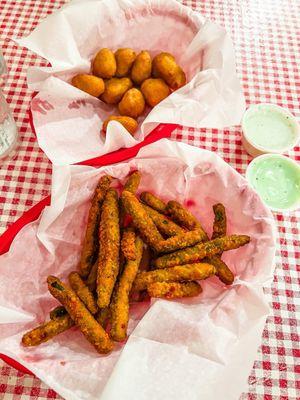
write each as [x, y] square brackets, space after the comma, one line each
[58, 312]
[223, 272]
[174, 290]
[132, 183]
[141, 219]
[103, 316]
[128, 243]
[83, 292]
[153, 202]
[91, 280]
[163, 224]
[187, 272]
[47, 331]
[120, 301]
[181, 241]
[220, 222]
[82, 318]
[90, 242]
[201, 250]
[108, 264]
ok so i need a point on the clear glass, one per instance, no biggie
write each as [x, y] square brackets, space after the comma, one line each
[8, 130]
[3, 70]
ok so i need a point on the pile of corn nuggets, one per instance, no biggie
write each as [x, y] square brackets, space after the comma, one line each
[132, 248]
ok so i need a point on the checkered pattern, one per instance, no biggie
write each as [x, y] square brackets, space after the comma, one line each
[266, 38]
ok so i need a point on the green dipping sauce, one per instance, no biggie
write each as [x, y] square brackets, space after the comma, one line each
[277, 180]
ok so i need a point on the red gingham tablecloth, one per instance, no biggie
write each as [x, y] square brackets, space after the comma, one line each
[266, 35]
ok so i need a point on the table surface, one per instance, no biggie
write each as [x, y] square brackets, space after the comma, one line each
[266, 36]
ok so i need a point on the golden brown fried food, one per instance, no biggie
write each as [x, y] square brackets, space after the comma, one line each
[83, 292]
[92, 277]
[141, 219]
[89, 83]
[222, 270]
[187, 272]
[141, 68]
[174, 290]
[128, 244]
[103, 316]
[93, 332]
[184, 217]
[154, 202]
[108, 266]
[201, 250]
[164, 224]
[124, 58]
[180, 241]
[146, 259]
[132, 103]
[104, 64]
[90, 246]
[58, 312]
[47, 331]
[132, 183]
[164, 66]
[115, 88]
[154, 91]
[120, 301]
[220, 222]
[129, 123]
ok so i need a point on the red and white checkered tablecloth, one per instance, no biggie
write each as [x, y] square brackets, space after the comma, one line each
[266, 35]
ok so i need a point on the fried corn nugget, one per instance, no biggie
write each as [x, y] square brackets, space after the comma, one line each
[93, 332]
[115, 88]
[154, 202]
[220, 221]
[164, 224]
[141, 219]
[164, 66]
[132, 103]
[124, 58]
[129, 123]
[108, 266]
[58, 312]
[47, 331]
[90, 242]
[104, 64]
[181, 241]
[154, 90]
[103, 317]
[92, 277]
[132, 183]
[83, 292]
[174, 290]
[182, 216]
[223, 272]
[187, 272]
[201, 250]
[120, 301]
[89, 84]
[128, 244]
[141, 68]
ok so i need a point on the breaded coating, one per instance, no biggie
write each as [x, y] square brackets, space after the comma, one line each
[223, 272]
[220, 221]
[47, 331]
[128, 244]
[146, 259]
[141, 219]
[93, 332]
[201, 250]
[90, 243]
[58, 312]
[187, 272]
[174, 290]
[154, 202]
[181, 241]
[83, 292]
[133, 181]
[91, 280]
[103, 316]
[183, 217]
[120, 301]
[164, 224]
[108, 265]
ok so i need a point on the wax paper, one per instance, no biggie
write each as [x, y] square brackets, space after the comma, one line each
[68, 121]
[194, 348]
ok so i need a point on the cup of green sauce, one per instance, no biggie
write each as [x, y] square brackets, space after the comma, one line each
[276, 179]
[268, 128]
